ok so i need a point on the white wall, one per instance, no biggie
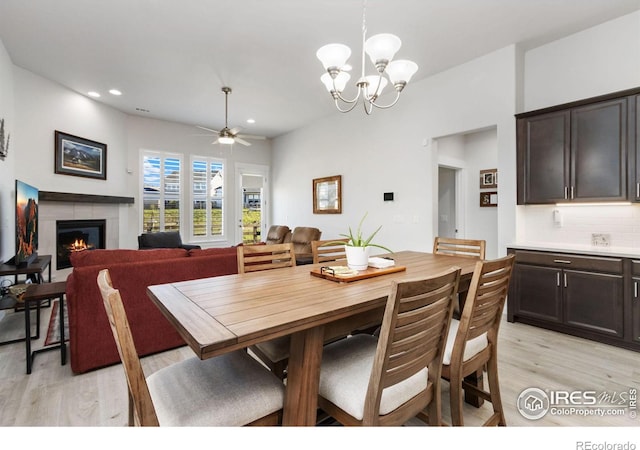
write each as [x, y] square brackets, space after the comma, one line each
[384, 152]
[600, 60]
[7, 183]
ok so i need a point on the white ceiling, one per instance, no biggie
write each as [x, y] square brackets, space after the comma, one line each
[172, 57]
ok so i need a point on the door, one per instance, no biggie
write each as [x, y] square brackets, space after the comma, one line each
[447, 202]
[251, 201]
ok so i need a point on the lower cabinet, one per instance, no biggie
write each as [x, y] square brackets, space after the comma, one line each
[585, 296]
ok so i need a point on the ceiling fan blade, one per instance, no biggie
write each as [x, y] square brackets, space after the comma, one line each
[251, 136]
[242, 141]
[215, 142]
[208, 129]
[235, 130]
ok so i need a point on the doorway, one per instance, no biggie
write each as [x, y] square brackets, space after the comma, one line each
[447, 217]
[251, 203]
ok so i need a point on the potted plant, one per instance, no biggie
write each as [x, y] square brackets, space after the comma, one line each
[358, 248]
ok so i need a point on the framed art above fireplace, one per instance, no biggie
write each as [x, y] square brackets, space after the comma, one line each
[80, 157]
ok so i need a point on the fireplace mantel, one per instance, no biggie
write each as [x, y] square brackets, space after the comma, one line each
[46, 196]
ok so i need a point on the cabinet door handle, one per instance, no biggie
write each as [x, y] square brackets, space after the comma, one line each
[637, 190]
[565, 280]
[571, 192]
[558, 279]
[566, 193]
[562, 261]
[635, 289]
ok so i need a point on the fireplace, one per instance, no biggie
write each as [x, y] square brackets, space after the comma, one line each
[77, 236]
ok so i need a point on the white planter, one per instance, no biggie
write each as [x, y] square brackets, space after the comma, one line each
[357, 257]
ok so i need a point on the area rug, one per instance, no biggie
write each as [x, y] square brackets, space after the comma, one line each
[53, 332]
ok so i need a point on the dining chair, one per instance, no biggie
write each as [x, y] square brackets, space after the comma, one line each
[472, 343]
[387, 381]
[474, 248]
[328, 250]
[229, 390]
[274, 353]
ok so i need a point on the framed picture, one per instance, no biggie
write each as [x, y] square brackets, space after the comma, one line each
[488, 199]
[327, 195]
[489, 179]
[80, 157]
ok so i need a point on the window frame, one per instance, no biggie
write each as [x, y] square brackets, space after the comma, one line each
[162, 155]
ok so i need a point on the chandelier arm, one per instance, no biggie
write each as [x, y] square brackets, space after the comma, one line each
[353, 105]
[389, 105]
[354, 100]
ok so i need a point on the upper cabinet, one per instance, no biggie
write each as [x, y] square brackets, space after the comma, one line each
[579, 152]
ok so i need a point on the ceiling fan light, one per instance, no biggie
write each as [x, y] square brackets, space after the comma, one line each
[401, 70]
[382, 47]
[340, 81]
[333, 56]
[226, 140]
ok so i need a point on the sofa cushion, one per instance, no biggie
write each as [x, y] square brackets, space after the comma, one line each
[160, 239]
[102, 257]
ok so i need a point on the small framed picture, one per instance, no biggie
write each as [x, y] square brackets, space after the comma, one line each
[489, 179]
[80, 157]
[327, 195]
[488, 199]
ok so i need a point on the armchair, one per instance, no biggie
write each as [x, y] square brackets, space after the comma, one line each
[277, 234]
[301, 239]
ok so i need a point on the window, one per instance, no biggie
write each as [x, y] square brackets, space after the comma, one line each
[162, 191]
[207, 176]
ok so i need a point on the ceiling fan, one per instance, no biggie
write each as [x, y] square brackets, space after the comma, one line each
[230, 135]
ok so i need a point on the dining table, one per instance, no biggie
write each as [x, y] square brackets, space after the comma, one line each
[226, 313]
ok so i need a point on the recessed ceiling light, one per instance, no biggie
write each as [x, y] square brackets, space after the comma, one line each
[251, 120]
[93, 94]
[114, 92]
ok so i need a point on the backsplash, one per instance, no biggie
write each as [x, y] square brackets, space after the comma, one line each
[576, 225]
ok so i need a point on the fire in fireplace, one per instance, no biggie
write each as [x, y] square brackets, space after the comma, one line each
[77, 236]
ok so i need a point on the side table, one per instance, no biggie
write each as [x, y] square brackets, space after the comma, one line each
[37, 293]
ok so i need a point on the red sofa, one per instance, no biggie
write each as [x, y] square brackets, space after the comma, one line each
[90, 339]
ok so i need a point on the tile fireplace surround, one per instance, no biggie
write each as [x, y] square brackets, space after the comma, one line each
[51, 211]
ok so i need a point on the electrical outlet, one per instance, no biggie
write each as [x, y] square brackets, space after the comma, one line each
[600, 239]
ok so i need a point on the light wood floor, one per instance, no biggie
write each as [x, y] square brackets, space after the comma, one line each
[529, 357]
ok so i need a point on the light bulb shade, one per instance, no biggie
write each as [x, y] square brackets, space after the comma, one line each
[340, 81]
[373, 88]
[382, 47]
[226, 140]
[401, 70]
[333, 55]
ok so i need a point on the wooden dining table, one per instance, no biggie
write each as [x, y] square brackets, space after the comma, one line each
[226, 313]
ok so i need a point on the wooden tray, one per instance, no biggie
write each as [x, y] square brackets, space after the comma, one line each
[371, 272]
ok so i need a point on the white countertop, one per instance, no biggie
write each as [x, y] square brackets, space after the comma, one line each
[622, 252]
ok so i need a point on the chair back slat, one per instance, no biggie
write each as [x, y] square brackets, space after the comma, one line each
[328, 250]
[413, 333]
[485, 302]
[473, 248]
[252, 258]
[140, 398]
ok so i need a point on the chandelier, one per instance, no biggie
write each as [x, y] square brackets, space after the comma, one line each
[381, 49]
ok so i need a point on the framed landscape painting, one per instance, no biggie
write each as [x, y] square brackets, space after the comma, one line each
[80, 157]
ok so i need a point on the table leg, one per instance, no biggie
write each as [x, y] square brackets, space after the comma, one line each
[475, 379]
[303, 375]
[27, 328]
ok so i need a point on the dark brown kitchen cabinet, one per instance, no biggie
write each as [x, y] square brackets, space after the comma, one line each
[581, 295]
[634, 140]
[577, 152]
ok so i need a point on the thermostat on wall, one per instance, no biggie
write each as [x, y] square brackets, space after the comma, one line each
[388, 196]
